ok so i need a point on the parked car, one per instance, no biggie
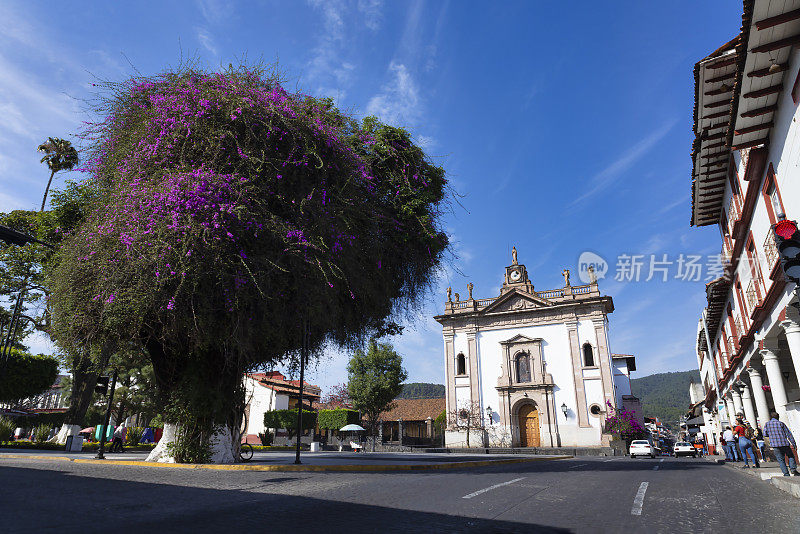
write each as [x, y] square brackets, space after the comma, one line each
[684, 448]
[642, 447]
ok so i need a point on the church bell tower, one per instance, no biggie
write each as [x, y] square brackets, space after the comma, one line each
[516, 276]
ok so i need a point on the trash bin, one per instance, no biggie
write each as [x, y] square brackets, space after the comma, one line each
[315, 446]
[74, 444]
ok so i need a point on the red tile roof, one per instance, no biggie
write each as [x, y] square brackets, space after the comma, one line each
[280, 385]
[414, 409]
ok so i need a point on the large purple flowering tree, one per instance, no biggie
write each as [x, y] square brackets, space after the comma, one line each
[227, 212]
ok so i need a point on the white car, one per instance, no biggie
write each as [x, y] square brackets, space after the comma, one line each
[684, 448]
[641, 447]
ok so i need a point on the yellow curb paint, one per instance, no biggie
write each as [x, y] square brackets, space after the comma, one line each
[290, 467]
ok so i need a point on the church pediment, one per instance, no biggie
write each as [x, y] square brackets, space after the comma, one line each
[519, 338]
[516, 300]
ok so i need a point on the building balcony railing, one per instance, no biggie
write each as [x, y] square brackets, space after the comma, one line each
[734, 214]
[752, 296]
[740, 331]
[733, 343]
[770, 250]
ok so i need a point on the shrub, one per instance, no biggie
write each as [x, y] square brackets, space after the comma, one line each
[266, 438]
[336, 418]
[7, 427]
[134, 435]
[41, 433]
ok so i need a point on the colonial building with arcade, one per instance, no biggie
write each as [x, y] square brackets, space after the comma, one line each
[532, 368]
[745, 180]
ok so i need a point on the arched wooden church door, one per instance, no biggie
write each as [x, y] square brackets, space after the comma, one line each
[529, 426]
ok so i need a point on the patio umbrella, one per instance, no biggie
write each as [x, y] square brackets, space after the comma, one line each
[352, 428]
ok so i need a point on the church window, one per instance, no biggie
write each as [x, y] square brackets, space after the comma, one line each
[588, 356]
[523, 368]
[461, 364]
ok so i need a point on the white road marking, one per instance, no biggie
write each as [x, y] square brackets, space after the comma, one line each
[611, 460]
[574, 466]
[656, 468]
[661, 460]
[484, 490]
[638, 501]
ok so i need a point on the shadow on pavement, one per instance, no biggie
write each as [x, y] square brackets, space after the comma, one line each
[53, 500]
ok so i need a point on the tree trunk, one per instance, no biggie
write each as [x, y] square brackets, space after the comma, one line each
[160, 453]
[175, 376]
[224, 445]
[47, 189]
[83, 383]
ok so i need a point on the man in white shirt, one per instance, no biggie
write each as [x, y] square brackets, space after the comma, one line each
[730, 445]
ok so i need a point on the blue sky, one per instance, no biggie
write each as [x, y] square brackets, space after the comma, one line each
[566, 127]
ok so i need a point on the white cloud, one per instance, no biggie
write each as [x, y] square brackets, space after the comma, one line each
[399, 101]
[371, 10]
[215, 11]
[205, 38]
[611, 174]
[426, 141]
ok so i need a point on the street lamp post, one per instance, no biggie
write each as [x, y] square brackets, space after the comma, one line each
[303, 356]
[100, 455]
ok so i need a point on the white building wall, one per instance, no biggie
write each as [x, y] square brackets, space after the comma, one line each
[558, 363]
[622, 380]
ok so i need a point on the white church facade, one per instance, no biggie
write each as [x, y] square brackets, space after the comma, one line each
[534, 368]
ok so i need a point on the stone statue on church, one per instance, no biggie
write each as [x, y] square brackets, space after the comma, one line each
[469, 288]
[513, 255]
[592, 276]
[458, 297]
[449, 294]
[565, 274]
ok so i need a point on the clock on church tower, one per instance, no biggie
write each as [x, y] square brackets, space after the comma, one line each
[516, 276]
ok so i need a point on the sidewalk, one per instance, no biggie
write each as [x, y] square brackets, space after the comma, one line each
[311, 461]
[770, 472]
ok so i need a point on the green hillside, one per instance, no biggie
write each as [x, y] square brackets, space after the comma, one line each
[665, 395]
[422, 390]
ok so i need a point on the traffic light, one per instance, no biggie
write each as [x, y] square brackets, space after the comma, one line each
[788, 244]
[102, 385]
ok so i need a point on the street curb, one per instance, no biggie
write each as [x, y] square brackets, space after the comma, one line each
[290, 467]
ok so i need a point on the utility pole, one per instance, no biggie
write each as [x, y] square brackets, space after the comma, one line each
[100, 455]
[303, 356]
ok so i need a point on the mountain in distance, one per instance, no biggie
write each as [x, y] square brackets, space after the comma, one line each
[422, 390]
[665, 395]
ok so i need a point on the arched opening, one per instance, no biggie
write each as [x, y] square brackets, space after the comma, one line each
[523, 367]
[461, 364]
[588, 355]
[528, 420]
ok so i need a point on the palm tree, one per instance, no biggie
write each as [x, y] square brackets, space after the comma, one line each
[60, 156]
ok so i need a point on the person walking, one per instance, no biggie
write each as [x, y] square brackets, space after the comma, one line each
[119, 438]
[730, 448]
[759, 439]
[782, 441]
[744, 439]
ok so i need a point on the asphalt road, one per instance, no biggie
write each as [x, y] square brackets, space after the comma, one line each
[577, 495]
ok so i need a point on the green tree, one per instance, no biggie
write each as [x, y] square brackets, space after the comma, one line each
[233, 213]
[59, 155]
[375, 378]
[24, 272]
[26, 375]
